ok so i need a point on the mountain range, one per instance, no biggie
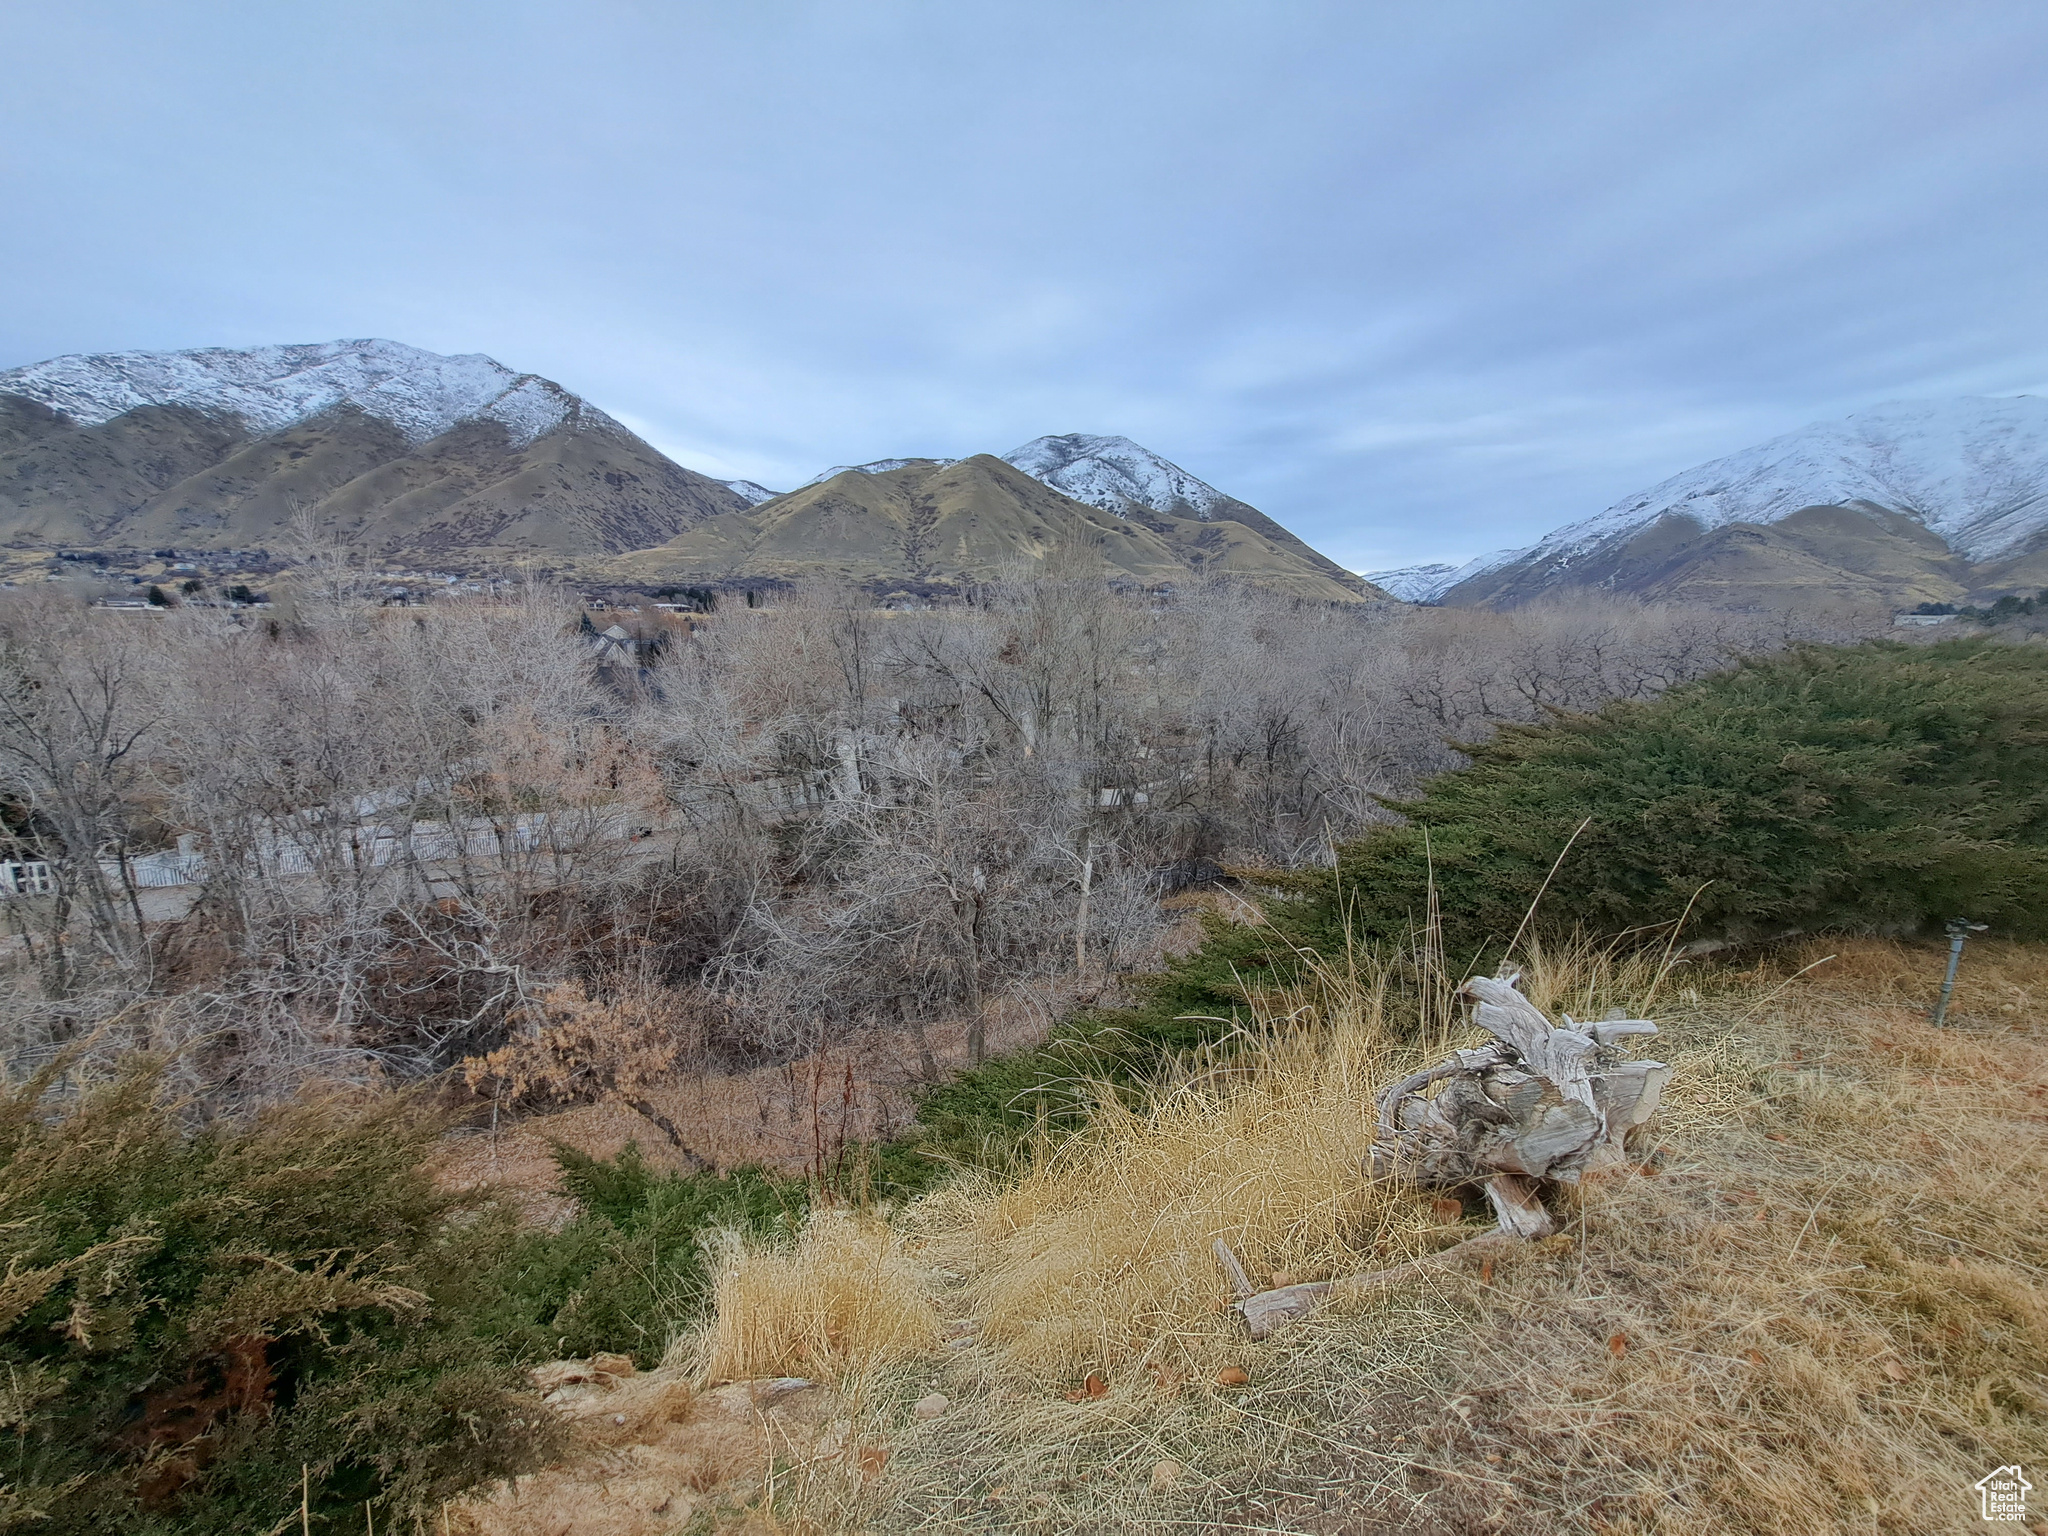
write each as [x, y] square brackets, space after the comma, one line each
[412, 456]
[460, 461]
[401, 452]
[1908, 502]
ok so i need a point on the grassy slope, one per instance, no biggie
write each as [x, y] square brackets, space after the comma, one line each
[1825, 1311]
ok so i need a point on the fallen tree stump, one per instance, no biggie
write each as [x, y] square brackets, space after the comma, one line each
[1539, 1106]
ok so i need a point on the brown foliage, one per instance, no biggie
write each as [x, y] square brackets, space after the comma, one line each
[576, 1048]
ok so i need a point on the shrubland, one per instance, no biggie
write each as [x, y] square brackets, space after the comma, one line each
[201, 1323]
[1875, 788]
[409, 838]
[444, 849]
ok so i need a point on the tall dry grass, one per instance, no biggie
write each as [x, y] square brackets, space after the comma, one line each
[843, 1297]
[1097, 1257]
[1824, 1308]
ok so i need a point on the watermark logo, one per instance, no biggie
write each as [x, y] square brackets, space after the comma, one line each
[2003, 1494]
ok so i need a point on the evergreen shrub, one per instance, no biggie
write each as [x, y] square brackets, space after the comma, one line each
[192, 1320]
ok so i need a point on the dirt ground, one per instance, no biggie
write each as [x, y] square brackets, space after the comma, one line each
[653, 1453]
[795, 1118]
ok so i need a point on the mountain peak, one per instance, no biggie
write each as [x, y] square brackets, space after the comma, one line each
[271, 388]
[1966, 478]
[1118, 475]
[1972, 470]
[1416, 583]
[224, 448]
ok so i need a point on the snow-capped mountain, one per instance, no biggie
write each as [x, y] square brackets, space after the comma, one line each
[1118, 475]
[402, 451]
[422, 393]
[1971, 472]
[873, 467]
[1417, 583]
[1111, 473]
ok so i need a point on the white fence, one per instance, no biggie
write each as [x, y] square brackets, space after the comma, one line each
[297, 851]
[31, 877]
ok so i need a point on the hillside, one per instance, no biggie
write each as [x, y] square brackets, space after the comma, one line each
[402, 452]
[1117, 475]
[411, 456]
[1915, 501]
[924, 522]
[1811, 1306]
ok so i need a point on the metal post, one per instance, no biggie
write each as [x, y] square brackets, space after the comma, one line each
[1959, 929]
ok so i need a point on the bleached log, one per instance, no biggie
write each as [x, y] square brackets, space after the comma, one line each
[1544, 1102]
[1267, 1310]
[1559, 1056]
[1540, 1106]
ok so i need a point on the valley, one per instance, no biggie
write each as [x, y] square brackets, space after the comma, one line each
[782, 995]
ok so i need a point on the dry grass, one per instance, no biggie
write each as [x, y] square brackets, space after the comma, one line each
[843, 1297]
[1826, 1311]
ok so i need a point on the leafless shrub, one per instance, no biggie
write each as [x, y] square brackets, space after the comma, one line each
[398, 832]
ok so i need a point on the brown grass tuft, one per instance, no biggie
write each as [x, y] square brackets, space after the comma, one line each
[843, 1297]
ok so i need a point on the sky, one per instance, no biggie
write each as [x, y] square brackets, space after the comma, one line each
[1418, 280]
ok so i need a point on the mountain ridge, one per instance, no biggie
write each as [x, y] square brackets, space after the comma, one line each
[403, 452]
[1841, 511]
[410, 454]
[423, 393]
[1123, 477]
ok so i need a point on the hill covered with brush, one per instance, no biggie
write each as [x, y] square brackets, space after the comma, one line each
[925, 522]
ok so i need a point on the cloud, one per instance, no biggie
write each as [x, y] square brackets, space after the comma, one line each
[1419, 281]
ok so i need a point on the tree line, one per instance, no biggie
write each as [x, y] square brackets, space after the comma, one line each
[403, 841]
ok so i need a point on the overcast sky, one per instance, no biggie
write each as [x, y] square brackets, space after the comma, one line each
[1420, 280]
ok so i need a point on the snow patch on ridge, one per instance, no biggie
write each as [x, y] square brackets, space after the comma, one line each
[271, 388]
[1973, 471]
[754, 494]
[872, 467]
[1116, 474]
[1415, 583]
[1427, 583]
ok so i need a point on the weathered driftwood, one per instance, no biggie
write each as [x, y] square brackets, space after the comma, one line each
[1540, 1105]
[1264, 1311]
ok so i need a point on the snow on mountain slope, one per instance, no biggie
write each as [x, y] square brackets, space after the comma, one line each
[754, 494]
[1420, 583]
[1973, 471]
[271, 388]
[1116, 474]
[873, 467]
